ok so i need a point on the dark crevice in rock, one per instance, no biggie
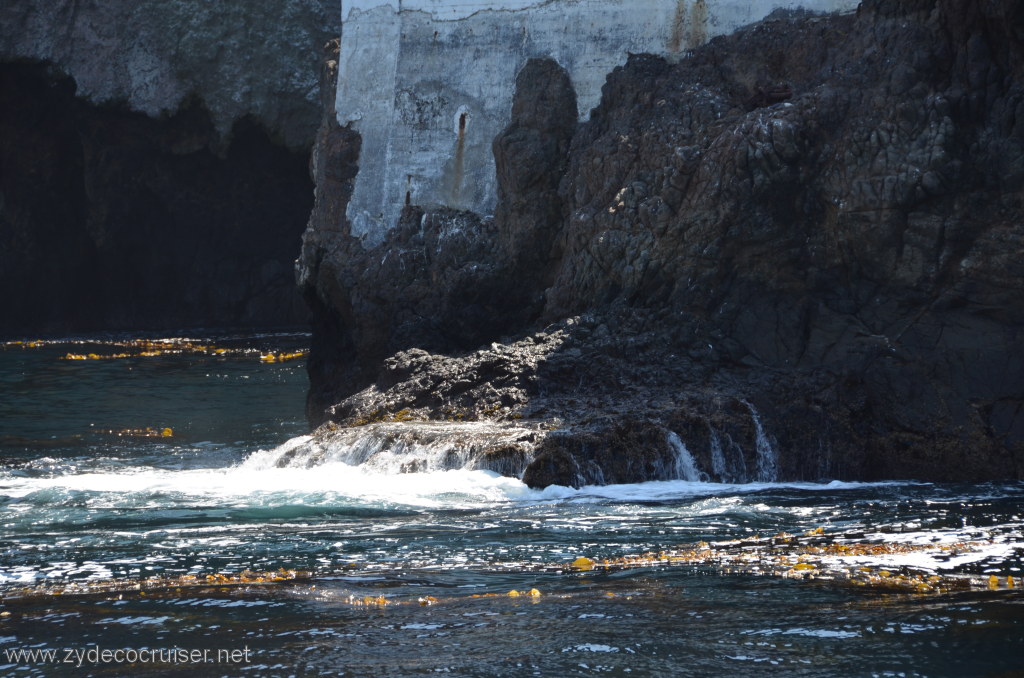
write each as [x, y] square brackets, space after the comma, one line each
[114, 220]
[443, 280]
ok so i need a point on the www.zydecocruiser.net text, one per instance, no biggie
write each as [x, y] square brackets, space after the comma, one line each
[95, 655]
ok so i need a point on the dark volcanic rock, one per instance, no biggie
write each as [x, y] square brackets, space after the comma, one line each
[113, 220]
[443, 280]
[530, 158]
[806, 237]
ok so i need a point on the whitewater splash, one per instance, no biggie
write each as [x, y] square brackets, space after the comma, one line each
[411, 447]
[307, 473]
[283, 493]
[402, 447]
[252, 484]
[387, 465]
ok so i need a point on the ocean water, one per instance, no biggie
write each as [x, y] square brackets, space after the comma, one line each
[155, 519]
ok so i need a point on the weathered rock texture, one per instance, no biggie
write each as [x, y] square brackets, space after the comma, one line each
[428, 84]
[241, 58]
[807, 236]
[154, 162]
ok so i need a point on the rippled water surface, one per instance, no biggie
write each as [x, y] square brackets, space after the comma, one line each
[141, 508]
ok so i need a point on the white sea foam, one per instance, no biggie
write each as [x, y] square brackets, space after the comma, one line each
[262, 481]
[591, 647]
[325, 484]
[983, 547]
[21, 574]
[259, 489]
[665, 490]
[801, 631]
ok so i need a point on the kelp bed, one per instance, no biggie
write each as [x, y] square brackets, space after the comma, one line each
[812, 557]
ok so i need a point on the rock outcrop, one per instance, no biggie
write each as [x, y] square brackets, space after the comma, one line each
[154, 162]
[804, 239]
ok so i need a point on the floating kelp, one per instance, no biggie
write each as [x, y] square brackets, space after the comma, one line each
[151, 348]
[158, 584]
[783, 555]
[815, 556]
[283, 356]
[147, 432]
[532, 593]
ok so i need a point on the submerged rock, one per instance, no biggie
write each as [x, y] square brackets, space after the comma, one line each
[806, 236]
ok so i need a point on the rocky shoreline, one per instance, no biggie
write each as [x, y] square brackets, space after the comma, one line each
[811, 227]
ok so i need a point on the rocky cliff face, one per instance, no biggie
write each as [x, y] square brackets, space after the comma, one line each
[428, 84]
[241, 58]
[806, 237]
[154, 162]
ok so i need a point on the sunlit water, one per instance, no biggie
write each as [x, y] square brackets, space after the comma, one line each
[81, 505]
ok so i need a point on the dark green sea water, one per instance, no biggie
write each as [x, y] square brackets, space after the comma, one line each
[93, 515]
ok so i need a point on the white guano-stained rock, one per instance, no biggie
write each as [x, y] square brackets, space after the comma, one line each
[428, 84]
